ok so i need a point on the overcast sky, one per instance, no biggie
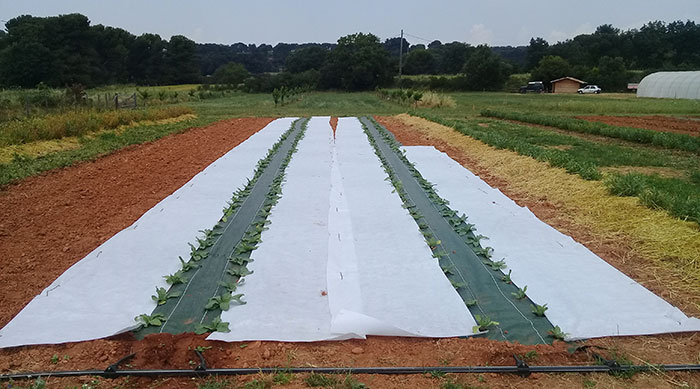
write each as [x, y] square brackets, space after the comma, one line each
[495, 22]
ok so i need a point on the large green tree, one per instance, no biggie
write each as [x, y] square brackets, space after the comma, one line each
[306, 58]
[420, 61]
[359, 62]
[485, 70]
[550, 68]
[230, 74]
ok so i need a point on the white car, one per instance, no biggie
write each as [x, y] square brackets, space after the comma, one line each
[590, 89]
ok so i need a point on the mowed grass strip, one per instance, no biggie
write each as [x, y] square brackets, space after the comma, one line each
[671, 243]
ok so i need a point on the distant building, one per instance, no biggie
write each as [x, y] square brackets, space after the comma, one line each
[566, 85]
[674, 85]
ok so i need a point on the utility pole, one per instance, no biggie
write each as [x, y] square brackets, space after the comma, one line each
[400, 57]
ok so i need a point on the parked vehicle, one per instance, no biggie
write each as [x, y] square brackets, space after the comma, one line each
[532, 87]
[590, 89]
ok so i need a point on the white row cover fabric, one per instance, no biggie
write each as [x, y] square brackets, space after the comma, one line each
[101, 294]
[342, 258]
[586, 296]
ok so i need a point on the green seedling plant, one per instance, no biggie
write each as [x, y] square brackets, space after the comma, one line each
[539, 310]
[177, 278]
[215, 326]
[162, 296]
[475, 240]
[223, 302]
[557, 333]
[187, 266]
[497, 265]
[155, 320]
[239, 271]
[520, 294]
[458, 285]
[433, 243]
[486, 252]
[202, 349]
[470, 303]
[239, 260]
[483, 323]
[229, 286]
[506, 278]
[447, 269]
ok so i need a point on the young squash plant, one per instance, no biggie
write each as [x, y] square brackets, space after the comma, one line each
[539, 310]
[155, 320]
[215, 326]
[483, 323]
[162, 296]
[177, 278]
[223, 302]
[557, 333]
[520, 294]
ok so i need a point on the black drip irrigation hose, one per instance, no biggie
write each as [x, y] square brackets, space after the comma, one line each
[520, 368]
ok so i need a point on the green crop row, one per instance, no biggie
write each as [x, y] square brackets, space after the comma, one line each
[663, 139]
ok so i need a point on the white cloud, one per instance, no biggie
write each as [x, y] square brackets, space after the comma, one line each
[558, 36]
[480, 34]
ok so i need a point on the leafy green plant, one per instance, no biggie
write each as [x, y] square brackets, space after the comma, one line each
[156, 320]
[202, 349]
[316, 380]
[229, 286]
[497, 265]
[483, 323]
[470, 303]
[531, 355]
[539, 310]
[506, 277]
[187, 266]
[457, 284]
[239, 271]
[520, 294]
[216, 325]
[223, 301]
[162, 296]
[177, 278]
[557, 333]
[54, 359]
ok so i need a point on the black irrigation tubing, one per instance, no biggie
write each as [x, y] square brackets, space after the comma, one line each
[521, 369]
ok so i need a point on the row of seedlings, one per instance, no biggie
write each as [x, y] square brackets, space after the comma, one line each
[237, 265]
[200, 251]
[458, 223]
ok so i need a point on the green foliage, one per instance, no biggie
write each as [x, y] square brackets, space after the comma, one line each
[485, 70]
[177, 278]
[157, 319]
[539, 310]
[308, 58]
[215, 383]
[231, 74]
[320, 380]
[223, 302]
[483, 323]
[506, 278]
[216, 325]
[187, 266]
[420, 61]
[162, 296]
[637, 135]
[557, 333]
[550, 68]
[358, 62]
[520, 294]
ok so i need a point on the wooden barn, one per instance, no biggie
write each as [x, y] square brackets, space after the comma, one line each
[566, 85]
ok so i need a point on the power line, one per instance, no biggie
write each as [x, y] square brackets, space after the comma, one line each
[417, 37]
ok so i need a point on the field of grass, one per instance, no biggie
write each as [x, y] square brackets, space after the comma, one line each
[661, 178]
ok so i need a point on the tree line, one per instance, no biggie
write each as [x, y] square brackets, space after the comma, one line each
[63, 50]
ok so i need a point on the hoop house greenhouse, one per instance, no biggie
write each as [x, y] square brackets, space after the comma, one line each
[675, 85]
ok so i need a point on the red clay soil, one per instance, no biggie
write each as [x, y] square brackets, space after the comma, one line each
[49, 222]
[656, 123]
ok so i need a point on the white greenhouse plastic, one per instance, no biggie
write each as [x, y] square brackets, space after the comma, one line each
[675, 85]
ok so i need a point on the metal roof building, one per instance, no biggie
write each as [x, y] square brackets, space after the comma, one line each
[675, 85]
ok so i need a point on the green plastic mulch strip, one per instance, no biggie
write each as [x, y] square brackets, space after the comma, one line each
[467, 264]
[221, 257]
